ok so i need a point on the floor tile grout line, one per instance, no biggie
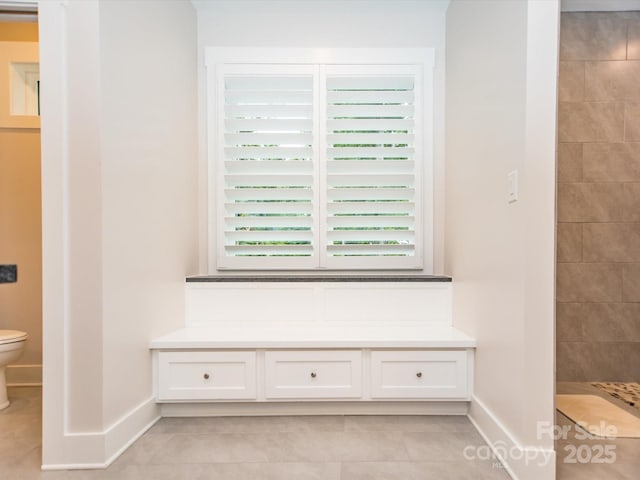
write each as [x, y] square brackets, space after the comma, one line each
[394, 449]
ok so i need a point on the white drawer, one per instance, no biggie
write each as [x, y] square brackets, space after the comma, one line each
[419, 374]
[313, 374]
[206, 375]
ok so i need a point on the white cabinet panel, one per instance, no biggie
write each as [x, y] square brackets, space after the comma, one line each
[313, 374]
[315, 304]
[207, 375]
[387, 304]
[419, 374]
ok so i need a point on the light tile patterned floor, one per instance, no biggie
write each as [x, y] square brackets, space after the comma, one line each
[628, 392]
[263, 448]
[584, 458]
[300, 448]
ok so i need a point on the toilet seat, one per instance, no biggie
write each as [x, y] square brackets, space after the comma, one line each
[12, 336]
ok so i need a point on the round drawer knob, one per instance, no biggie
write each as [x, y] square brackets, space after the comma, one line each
[206, 376]
[419, 374]
[314, 374]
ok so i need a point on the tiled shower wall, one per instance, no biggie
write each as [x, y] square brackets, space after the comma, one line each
[598, 276]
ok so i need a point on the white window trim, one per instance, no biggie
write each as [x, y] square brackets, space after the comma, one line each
[424, 57]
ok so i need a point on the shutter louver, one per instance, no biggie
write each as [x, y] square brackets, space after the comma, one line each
[370, 166]
[268, 166]
[319, 165]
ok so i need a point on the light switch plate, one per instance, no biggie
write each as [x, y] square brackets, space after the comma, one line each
[512, 186]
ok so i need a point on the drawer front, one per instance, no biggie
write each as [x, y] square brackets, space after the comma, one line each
[313, 374]
[419, 374]
[206, 375]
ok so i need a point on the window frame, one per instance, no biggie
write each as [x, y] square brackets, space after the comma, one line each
[420, 59]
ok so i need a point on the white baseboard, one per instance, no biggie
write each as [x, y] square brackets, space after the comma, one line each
[73, 466]
[79, 451]
[98, 450]
[24, 375]
[120, 435]
[312, 408]
[521, 462]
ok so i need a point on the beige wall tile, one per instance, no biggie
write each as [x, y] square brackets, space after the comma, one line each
[590, 202]
[633, 40]
[611, 162]
[632, 363]
[593, 36]
[629, 318]
[573, 361]
[611, 81]
[589, 282]
[569, 242]
[632, 202]
[598, 270]
[631, 282]
[596, 362]
[592, 122]
[608, 322]
[632, 122]
[571, 82]
[569, 162]
[611, 362]
[570, 322]
[611, 242]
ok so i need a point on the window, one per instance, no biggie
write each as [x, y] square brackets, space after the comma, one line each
[317, 165]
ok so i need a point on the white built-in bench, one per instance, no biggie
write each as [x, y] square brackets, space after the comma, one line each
[352, 342]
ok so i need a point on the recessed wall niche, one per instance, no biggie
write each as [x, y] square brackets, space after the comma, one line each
[19, 85]
[24, 88]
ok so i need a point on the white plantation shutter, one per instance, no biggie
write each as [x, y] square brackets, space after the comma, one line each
[372, 164]
[267, 210]
[318, 166]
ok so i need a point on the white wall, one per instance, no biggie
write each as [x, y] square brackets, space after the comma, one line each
[326, 24]
[149, 183]
[500, 109]
[119, 181]
[71, 215]
[119, 213]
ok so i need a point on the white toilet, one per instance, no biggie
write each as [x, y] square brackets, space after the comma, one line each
[11, 347]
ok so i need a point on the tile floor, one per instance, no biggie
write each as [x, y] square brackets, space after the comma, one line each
[263, 448]
[580, 458]
[300, 448]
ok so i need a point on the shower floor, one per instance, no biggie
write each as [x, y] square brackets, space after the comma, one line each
[627, 392]
[587, 457]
